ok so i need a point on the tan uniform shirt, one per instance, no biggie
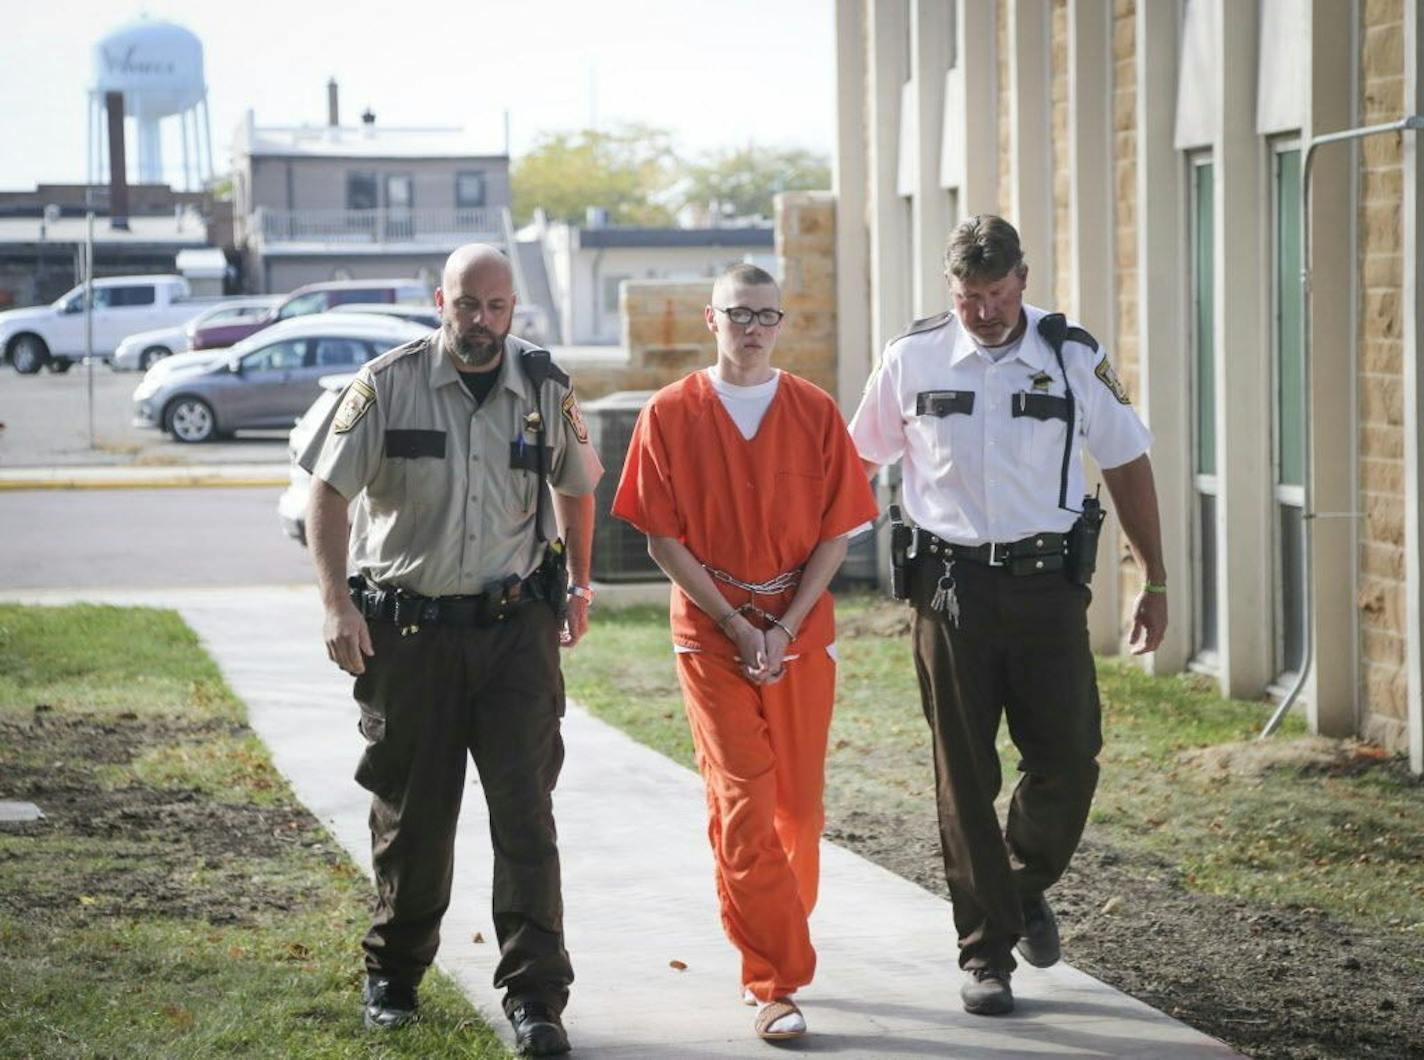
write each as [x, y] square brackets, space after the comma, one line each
[446, 491]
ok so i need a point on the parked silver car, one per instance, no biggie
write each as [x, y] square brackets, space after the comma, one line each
[292, 504]
[529, 321]
[268, 379]
[426, 315]
[141, 350]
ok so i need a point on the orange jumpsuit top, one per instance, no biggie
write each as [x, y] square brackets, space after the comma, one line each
[753, 508]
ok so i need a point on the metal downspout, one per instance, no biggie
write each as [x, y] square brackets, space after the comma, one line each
[1308, 516]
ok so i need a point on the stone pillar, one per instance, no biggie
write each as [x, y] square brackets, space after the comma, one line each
[969, 164]
[1331, 688]
[1413, 319]
[931, 35]
[891, 300]
[1087, 252]
[855, 350]
[1031, 162]
[1243, 368]
[1159, 251]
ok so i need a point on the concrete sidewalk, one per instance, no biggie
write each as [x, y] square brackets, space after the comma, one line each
[141, 476]
[639, 892]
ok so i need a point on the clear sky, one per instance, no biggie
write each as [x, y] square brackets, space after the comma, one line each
[715, 72]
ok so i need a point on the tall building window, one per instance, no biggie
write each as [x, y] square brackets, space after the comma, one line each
[400, 197]
[400, 191]
[1203, 278]
[1288, 303]
[361, 191]
[469, 190]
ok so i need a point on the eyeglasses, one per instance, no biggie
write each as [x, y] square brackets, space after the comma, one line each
[740, 314]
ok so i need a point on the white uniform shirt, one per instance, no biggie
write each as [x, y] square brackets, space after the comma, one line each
[981, 473]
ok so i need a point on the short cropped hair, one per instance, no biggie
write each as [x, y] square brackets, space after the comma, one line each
[983, 249]
[746, 274]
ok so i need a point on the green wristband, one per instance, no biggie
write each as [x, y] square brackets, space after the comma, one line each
[1156, 590]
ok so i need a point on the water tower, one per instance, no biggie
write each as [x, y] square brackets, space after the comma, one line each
[158, 67]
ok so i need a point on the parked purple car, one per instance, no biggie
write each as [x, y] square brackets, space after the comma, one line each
[313, 298]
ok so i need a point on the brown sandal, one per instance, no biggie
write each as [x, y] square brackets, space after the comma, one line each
[769, 1013]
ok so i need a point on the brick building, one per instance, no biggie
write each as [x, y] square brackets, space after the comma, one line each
[334, 201]
[1154, 156]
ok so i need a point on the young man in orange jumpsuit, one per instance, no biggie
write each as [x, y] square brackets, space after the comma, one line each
[747, 485]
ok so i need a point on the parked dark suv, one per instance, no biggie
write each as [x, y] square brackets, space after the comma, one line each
[314, 298]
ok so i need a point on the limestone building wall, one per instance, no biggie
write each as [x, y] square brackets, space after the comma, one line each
[1116, 101]
[1381, 351]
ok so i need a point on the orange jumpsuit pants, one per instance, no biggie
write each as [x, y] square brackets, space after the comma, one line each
[761, 750]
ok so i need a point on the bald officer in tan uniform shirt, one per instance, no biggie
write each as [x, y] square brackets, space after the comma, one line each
[449, 628]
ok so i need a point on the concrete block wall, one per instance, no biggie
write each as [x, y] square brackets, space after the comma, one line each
[1381, 597]
[665, 333]
[806, 260]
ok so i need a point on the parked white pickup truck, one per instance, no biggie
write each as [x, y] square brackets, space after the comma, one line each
[53, 334]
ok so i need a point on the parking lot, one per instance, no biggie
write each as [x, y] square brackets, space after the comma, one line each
[45, 421]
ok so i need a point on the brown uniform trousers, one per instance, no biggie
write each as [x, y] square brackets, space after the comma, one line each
[427, 700]
[1020, 648]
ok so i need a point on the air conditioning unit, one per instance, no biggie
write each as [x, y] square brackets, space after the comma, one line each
[620, 553]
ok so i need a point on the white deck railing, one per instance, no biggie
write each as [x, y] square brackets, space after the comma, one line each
[377, 226]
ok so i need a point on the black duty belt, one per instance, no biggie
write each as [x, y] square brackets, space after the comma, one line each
[1035, 554]
[410, 611]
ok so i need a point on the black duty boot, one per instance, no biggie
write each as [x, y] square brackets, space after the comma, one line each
[538, 1030]
[388, 1004]
[987, 993]
[1039, 943]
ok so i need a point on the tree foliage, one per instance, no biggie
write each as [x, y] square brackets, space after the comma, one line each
[626, 171]
[743, 181]
[635, 173]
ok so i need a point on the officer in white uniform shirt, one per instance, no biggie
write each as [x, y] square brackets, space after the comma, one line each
[976, 404]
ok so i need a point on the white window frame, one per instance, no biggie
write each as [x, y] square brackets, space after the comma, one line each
[1281, 495]
[1204, 659]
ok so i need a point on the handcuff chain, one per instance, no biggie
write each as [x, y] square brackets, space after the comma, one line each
[779, 584]
[773, 586]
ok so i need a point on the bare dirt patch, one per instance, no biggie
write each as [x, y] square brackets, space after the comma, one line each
[1311, 754]
[141, 850]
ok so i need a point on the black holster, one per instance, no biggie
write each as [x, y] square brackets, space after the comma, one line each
[1083, 542]
[552, 578]
[900, 537]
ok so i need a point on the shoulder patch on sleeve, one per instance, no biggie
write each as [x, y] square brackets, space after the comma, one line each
[570, 409]
[939, 320]
[1109, 379]
[355, 403]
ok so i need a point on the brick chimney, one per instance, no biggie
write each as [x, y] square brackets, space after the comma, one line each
[118, 169]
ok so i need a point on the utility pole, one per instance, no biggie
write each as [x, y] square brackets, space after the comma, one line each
[89, 317]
